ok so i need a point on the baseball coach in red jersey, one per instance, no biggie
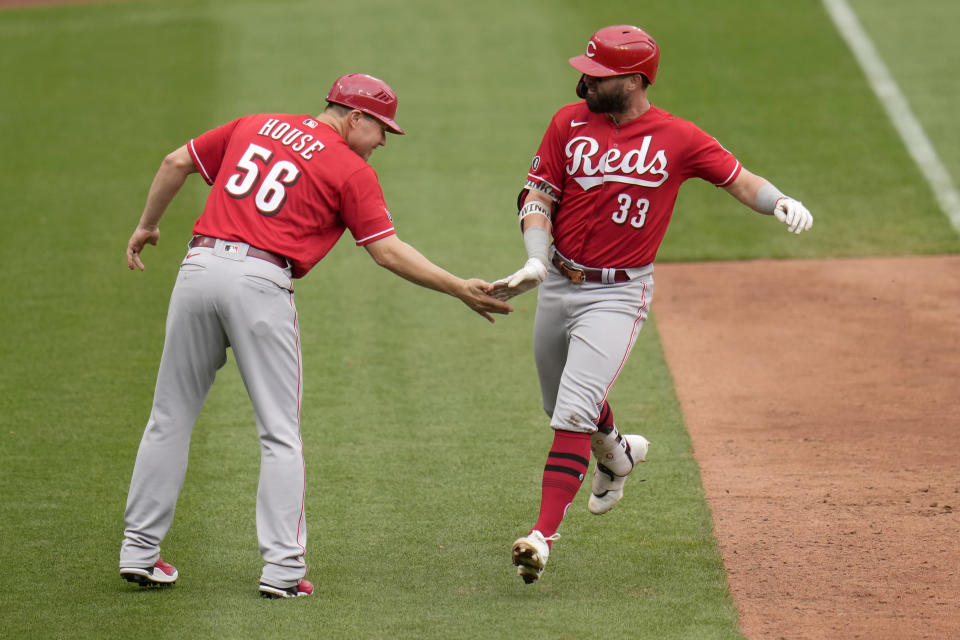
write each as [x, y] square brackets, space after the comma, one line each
[284, 188]
[602, 187]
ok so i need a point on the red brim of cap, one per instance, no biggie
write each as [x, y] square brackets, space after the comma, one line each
[588, 66]
[391, 126]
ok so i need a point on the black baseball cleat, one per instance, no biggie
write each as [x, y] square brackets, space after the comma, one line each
[161, 574]
[302, 588]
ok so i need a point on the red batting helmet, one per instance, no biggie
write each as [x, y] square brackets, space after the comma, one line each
[618, 51]
[371, 95]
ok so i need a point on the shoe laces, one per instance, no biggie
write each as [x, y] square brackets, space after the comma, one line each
[555, 536]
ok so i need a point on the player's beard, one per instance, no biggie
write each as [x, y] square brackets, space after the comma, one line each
[615, 102]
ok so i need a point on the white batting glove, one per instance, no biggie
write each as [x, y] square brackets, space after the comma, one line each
[793, 214]
[529, 276]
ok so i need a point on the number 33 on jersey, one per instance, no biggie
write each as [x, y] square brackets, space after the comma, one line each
[616, 185]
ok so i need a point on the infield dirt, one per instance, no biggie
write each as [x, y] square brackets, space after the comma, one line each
[823, 400]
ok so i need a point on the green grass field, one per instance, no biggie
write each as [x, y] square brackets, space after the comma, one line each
[423, 432]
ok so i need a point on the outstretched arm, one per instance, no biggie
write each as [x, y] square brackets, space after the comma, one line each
[396, 255]
[170, 177]
[761, 196]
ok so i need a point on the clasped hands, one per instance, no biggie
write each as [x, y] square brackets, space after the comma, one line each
[527, 277]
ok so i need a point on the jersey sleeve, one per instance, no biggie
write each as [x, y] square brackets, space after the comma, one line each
[207, 150]
[363, 208]
[710, 161]
[546, 169]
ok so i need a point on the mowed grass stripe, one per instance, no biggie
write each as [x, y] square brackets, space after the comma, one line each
[898, 109]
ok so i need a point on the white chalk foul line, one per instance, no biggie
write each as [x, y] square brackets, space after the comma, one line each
[897, 108]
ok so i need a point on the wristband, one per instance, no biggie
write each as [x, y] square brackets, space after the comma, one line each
[767, 197]
[537, 242]
[534, 207]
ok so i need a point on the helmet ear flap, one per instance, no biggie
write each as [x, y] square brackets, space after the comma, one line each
[582, 89]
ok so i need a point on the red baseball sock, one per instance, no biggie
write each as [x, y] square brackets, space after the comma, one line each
[606, 416]
[563, 474]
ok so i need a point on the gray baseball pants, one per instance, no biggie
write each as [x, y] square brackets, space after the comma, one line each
[224, 298]
[582, 336]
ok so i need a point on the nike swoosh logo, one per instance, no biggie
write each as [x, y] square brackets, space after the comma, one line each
[574, 123]
[190, 255]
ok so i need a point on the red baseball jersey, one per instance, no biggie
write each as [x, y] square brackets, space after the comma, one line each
[289, 185]
[616, 186]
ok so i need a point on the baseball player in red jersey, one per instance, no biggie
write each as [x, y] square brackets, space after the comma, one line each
[284, 189]
[603, 185]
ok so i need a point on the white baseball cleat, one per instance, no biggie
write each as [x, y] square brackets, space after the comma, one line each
[160, 574]
[607, 487]
[302, 588]
[530, 554]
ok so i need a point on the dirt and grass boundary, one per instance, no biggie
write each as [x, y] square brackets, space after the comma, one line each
[821, 398]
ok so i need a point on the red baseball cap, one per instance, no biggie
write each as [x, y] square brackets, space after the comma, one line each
[617, 51]
[370, 95]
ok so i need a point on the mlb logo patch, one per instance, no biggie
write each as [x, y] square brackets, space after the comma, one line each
[231, 248]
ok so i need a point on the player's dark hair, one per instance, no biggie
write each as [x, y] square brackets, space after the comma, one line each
[339, 109]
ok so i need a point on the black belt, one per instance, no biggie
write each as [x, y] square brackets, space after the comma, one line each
[582, 274]
[253, 252]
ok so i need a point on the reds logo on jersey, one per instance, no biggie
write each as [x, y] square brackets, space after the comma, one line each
[636, 166]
